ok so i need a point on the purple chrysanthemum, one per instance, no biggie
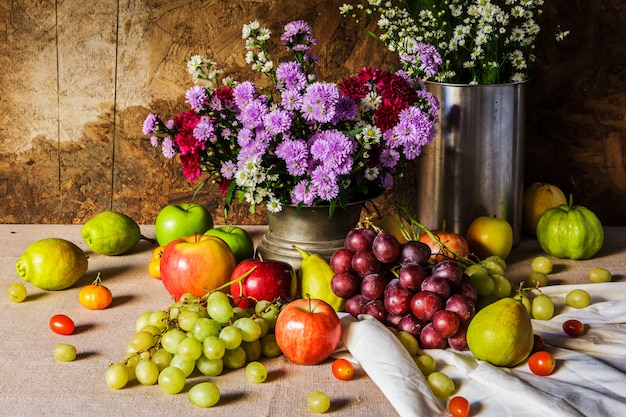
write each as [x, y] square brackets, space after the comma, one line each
[252, 114]
[302, 193]
[289, 75]
[167, 147]
[291, 99]
[324, 182]
[295, 155]
[277, 121]
[333, 149]
[149, 124]
[319, 101]
[244, 93]
[196, 97]
[204, 130]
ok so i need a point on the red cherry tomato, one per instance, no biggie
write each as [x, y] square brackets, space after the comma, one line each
[541, 363]
[459, 406]
[573, 328]
[61, 324]
[343, 369]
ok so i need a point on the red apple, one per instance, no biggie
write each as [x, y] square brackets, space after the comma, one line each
[307, 331]
[451, 240]
[196, 264]
[179, 220]
[269, 280]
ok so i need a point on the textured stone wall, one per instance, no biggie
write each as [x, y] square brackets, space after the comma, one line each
[77, 79]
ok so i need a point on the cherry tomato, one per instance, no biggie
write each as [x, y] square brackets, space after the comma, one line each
[459, 406]
[573, 328]
[343, 369]
[541, 363]
[154, 267]
[61, 324]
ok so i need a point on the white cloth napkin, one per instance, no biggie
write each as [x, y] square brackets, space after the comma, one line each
[589, 379]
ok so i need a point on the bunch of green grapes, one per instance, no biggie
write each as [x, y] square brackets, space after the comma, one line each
[488, 278]
[206, 335]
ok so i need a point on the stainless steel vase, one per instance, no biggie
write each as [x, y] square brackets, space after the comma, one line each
[309, 229]
[474, 166]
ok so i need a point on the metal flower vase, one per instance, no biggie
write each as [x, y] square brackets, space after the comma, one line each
[310, 229]
[474, 166]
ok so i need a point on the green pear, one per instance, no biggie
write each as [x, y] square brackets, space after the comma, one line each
[111, 233]
[501, 333]
[52, 264]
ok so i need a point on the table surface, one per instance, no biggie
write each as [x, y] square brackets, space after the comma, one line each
[34, 383]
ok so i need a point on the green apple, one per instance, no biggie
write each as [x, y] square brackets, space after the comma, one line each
[238, 239]
[488, 236]
[179, 220]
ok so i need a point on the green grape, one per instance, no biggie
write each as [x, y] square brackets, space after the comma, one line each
[474, 268]
[523, 298]
[250, 329]
[150, 328]
[142, 340]
[185, 365]
[64, 352]
[213, 347]
[268, 311]
[159, 319]
[536, 279]
[187, 298]
[318, 402]
[239, 313]
[171, 339]
[501, 286]
[426, 364]
[220, 308]
[186, 319]
[269, 346]
[409, 342]
[205, 327]
[117, 376]
[253, 350]
[542, 308]
[147, 372]
[209, 367]
[265, 328]
[494, 265]
[162, 358]
[17, 292]
[143, 321]
[231, 337]
[577, 299]
[441, 384]
[483, 283]
[189, 348]
[599, 275]
[234, 358]
[542, 264]
[256, 372]
[172, 380]
[205, 394]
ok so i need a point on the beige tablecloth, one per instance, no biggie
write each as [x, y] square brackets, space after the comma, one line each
[34, 383]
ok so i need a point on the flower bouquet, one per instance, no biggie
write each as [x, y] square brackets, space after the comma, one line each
[480, 41]
[299, 141]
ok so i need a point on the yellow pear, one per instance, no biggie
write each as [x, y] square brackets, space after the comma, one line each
[539, 197]
[501, 333]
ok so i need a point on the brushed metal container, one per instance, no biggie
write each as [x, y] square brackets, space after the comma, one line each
[474, 166]
[310, 229]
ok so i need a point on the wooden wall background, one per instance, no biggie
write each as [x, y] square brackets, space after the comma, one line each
[77, 79]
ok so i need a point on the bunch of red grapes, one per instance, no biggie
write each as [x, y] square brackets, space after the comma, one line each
[398, 284]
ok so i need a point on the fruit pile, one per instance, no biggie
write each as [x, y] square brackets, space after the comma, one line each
[399, 285]
[206, 334]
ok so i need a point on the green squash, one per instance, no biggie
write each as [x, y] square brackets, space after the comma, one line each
[568, 231]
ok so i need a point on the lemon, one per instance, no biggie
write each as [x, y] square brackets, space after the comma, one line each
[52, 264]
[111, 233]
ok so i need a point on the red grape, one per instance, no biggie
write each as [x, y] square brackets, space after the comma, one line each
[397, 300]
[373, 286]
[449, 270]
[341, 260]
[364, 262]
[393, 320]
[345, 284]
[431, 339]
[414, 252]
[573, 328]
[467, 289]
[376, 309]
[438, 285]
[538, 343]
[459, 340]
[461, 305]
[359, 238]
[354, 305]
[446, 323]
[425, 303]
[386, 247]
[411, 276]
[411, 324]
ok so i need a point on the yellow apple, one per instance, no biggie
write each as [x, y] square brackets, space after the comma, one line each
[487, 236]
[539, 197]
